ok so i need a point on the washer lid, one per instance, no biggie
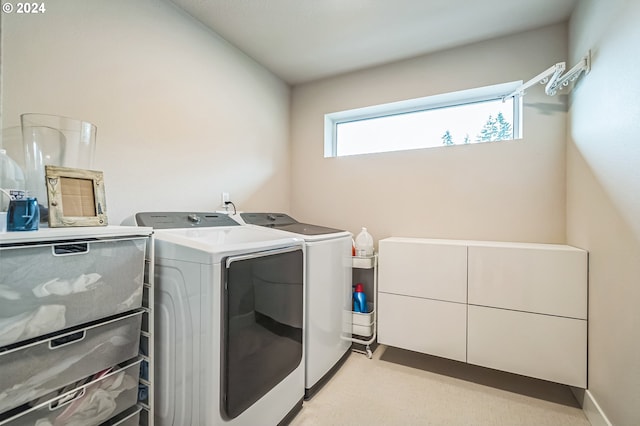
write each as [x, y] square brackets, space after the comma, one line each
[267, 219]
[286, 223]
[210, 245]
[307, 229]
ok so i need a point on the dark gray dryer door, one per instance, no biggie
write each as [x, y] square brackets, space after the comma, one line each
[262, 316]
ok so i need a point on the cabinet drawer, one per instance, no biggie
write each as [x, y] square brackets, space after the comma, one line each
[35, 369]
[423, 268]
[46, 288]
[423, 325]
[107, 394]
[548, 279]
[541, 346]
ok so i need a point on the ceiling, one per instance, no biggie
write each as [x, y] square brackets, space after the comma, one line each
[305, 40]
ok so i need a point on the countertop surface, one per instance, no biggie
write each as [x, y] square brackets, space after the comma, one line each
[52, 234]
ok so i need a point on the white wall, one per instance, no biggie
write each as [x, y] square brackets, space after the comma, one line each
[513, 191]
[603, 197]
[181, 114]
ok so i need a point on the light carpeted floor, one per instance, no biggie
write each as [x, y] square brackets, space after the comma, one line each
[402, 388]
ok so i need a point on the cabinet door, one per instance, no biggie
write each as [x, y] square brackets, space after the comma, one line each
[538, 278]
[423, 325]
[423, 268]
[541, 346]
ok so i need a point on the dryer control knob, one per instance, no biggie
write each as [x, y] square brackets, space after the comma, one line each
[194, 218]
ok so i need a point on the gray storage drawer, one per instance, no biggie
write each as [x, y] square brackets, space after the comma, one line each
[33, 370]
[87, 404]
[50, 287]
[128, 418]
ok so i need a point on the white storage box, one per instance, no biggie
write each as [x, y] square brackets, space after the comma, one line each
[362, 324]
[363, 262]
[50, 287]
[35, 369]
[90, 404]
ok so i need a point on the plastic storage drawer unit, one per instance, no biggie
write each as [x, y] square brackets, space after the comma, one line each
[49, 287]
[106, 395]
[33, 370]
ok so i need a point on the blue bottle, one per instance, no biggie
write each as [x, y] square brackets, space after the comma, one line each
[23, 215]
[359, 299]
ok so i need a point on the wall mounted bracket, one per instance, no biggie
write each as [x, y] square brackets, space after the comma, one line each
[554, 78]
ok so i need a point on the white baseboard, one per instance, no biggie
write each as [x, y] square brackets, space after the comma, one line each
[591, 408]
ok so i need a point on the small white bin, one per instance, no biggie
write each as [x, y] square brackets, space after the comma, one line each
[363, 262]
[362, 324]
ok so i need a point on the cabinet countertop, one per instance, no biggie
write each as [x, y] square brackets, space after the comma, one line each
[48, 234]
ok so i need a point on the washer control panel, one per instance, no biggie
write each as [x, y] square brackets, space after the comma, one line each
[174, 220]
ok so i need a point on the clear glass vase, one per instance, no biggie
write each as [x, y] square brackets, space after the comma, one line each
[57, 141]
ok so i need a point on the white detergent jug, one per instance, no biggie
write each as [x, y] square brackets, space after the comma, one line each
[364, 244]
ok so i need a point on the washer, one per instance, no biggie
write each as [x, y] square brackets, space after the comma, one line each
[229, 317]
[328, 297]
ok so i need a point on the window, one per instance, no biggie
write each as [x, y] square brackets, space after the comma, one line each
[465, 117]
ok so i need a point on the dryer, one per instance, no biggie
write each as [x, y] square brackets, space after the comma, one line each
[328, 296]
[229, 317]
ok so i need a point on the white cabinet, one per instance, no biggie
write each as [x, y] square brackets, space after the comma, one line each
[516, 307]
[422, 296]
[528, 310]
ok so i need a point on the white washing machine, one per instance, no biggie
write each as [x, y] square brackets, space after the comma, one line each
[328, 296]
[229, 317]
